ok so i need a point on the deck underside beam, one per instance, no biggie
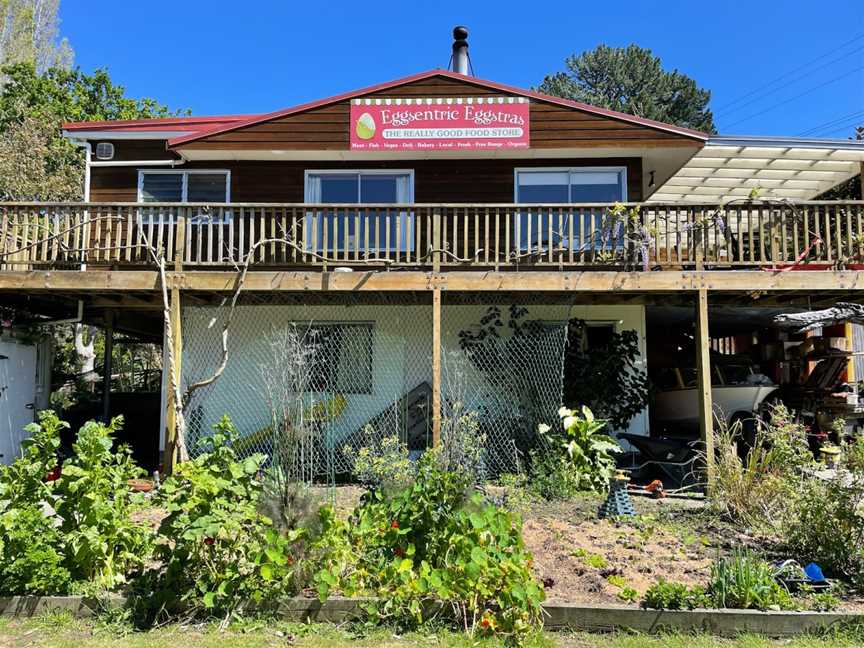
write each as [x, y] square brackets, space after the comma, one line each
[748, 282]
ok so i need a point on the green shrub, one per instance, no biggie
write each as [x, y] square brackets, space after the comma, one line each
[665, 595]
[578, 456]
[853, 456]
[103, 543]
[552, 478]
[380, 463]
[80, 513]
[216, 549]
[24, 481]
[759, 487]
[826, 525]
[31, 550]
[743, 581]
[432, 543]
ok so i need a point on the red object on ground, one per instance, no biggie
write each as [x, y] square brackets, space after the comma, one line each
[54, 475]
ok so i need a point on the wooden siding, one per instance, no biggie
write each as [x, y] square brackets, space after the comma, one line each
[327, 127]
[443, 181]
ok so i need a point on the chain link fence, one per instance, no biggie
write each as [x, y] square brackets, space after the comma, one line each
[307, 376]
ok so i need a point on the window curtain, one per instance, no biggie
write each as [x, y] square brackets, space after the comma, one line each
[403, 196]
[313, 195]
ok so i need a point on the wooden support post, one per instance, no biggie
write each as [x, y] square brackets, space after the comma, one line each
[703, 365]
[107, 368]
[176, 341]
[436, 367]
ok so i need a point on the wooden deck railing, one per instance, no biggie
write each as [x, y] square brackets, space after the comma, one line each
[432, 236]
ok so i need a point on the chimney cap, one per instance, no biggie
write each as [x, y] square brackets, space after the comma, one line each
[460, 32]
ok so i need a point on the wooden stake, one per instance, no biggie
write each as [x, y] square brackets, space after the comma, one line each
[436, 367]
[703, 365]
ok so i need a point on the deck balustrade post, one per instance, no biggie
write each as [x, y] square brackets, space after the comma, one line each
[437, 240]
[703, 366]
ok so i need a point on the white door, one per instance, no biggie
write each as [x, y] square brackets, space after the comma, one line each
[17, 396]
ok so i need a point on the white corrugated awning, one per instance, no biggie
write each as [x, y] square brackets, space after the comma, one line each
[731, 167]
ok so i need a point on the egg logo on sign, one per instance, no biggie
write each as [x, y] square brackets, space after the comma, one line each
[365, 127]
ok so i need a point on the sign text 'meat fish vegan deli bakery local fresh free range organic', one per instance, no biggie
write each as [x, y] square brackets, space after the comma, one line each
[439, 124]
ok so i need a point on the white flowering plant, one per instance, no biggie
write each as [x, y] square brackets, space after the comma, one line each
[587, 455]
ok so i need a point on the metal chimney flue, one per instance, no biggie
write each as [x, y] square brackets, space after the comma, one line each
[459, 59]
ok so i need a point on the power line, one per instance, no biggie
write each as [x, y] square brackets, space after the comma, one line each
[847, 128]
[790, 73]
[798, 96]
[768, 93]
[834, 121]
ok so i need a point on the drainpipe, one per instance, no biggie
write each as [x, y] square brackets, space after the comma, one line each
[88, 154]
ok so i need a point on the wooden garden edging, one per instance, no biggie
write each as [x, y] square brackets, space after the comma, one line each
[597, 618]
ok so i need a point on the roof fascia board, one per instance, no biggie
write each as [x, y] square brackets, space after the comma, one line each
[124, 135]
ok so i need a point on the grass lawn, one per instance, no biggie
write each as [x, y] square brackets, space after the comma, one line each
[61, 631]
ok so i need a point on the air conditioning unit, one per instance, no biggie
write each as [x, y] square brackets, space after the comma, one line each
[104, 151]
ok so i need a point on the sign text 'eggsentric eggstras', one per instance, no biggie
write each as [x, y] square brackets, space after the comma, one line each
[439, 124]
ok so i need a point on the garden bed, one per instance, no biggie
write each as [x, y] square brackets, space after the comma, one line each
[583, 560]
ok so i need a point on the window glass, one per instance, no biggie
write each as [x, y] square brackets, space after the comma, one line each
[344, 225]
[342, 357]
[379, 189]
[563, 186]
[594, 186]
[542, 187]
[162, 187]
[206, 187]
[337, 188]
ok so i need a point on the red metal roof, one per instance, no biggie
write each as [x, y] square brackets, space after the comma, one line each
[215, 129]
[158, 124]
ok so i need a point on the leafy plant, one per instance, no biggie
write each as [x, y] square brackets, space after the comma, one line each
[758, 487]
[585, 455]
[666, 595]
[95, 503]
[216, 549]
[628, 595]
[78, 516]
[431, 542]
[381, 463]
[609, 378]
[31, 551]
[24, 481]
[743, 581]
[826, 525]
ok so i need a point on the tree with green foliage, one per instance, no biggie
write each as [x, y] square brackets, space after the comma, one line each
[632, 80]
[36, 162]
[30, 33]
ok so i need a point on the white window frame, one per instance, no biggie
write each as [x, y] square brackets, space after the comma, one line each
[407, 217]
[225, 214]
[569, 170]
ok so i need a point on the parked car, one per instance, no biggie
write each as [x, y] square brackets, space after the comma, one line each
[738, 393]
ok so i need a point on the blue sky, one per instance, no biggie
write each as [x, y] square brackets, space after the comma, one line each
[781, 67]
